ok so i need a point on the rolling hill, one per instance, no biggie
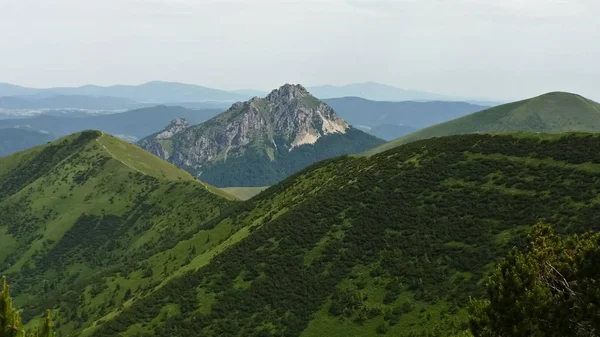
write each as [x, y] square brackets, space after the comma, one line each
[391, 244]
[88, 222]
[261, 141]
[554, 112]
[14, 140]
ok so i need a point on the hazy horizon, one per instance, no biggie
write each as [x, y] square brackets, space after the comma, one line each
[466, 48]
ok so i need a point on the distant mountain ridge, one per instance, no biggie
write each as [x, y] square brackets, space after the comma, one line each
[18, 139]
[155, 92]
[389, 120]
[137, 123]
[554, 112]
[373, 91]
[261, 141]
[174, 92]
[65, 101]
[383, 92]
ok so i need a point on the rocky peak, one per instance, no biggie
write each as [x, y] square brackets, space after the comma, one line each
[287, 92]
[286, 119]
[176, 126]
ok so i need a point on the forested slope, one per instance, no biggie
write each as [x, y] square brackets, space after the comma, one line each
[391, 244]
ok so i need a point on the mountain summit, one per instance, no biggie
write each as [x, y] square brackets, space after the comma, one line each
[261, 141]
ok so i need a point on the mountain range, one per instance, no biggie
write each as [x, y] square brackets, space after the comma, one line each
[382, 92]
[393, 118]
[385, 120]
[64, 101]
[173, 92]
[122, 243]
[133, 124]
[119, 242]
[389, 120]
[154, 92]
[261, 141]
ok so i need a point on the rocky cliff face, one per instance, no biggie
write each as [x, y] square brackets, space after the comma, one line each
[176, 126]
[271, 127]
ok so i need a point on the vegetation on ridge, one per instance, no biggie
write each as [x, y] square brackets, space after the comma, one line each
[391, 244]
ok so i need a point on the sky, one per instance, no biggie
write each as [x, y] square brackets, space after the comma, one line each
[501, 49]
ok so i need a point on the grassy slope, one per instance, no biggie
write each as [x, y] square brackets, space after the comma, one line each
[139, 160]
[554, 112]
[90, 221]
[244, 193]
[397, 241]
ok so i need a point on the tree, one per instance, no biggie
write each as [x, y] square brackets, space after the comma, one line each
[10, 319]
[551, 290]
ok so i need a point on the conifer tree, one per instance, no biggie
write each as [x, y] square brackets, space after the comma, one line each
[551, 290]
[10, 319]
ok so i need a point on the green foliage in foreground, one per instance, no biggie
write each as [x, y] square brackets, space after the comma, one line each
[10, 319]
[393, 244]
[551, 290]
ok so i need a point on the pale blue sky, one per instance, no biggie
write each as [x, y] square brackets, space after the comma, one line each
[479, 48]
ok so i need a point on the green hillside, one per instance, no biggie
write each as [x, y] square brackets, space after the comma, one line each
[554, 112]
[244, 193]
[89, 222]
[392, 244]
